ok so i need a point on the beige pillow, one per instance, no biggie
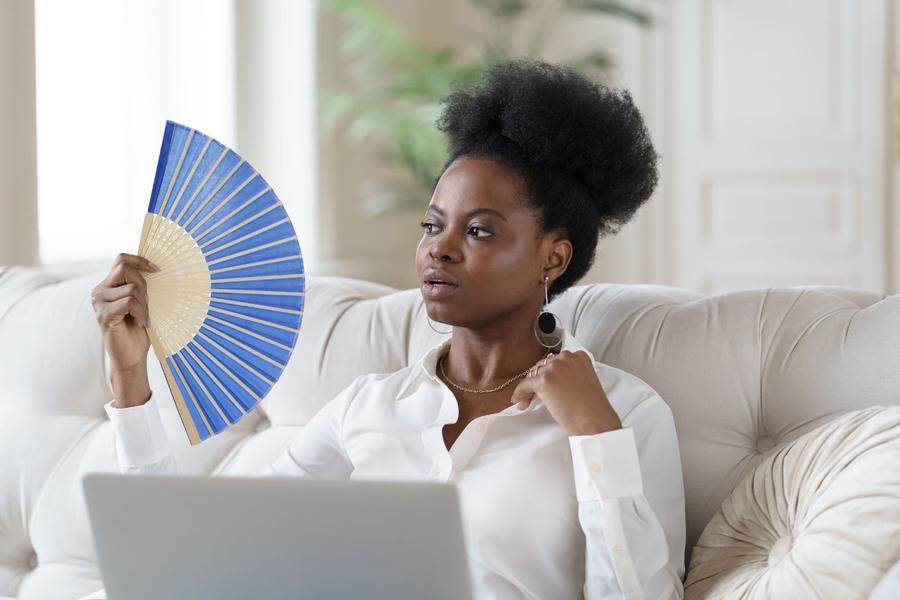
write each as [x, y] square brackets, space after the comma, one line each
[818, 518]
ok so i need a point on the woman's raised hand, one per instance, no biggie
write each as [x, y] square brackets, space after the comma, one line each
[121, 306]
[568, 385]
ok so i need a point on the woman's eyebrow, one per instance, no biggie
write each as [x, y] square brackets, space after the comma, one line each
[470, 214]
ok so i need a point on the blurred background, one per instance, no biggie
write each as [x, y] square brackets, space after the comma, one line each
[777, 124]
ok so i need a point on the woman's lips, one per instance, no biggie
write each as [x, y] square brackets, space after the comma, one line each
[438, 291]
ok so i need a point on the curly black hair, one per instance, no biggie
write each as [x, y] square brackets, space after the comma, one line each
[581, 148]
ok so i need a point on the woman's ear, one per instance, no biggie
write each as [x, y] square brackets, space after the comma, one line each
[558, 256]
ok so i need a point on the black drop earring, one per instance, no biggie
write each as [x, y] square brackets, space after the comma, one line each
[547, 328]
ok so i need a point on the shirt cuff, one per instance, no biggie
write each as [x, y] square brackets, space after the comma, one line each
[138, 434]
[606, 465]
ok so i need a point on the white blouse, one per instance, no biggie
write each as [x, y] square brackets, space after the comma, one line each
[545, 514]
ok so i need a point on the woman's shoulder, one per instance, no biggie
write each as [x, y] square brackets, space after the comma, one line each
[382, 384]
[630, 396]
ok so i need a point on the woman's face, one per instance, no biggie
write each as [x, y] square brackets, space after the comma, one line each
[483, 240]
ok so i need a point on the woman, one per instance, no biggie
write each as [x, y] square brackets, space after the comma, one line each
[568, 469]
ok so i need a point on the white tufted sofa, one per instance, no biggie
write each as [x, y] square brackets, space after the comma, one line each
[743, 372]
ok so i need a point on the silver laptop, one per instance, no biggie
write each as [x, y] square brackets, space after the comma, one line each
[178, 536]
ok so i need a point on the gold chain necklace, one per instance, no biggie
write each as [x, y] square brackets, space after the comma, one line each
[493, 389]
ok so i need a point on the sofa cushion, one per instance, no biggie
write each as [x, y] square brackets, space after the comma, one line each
[819, 517]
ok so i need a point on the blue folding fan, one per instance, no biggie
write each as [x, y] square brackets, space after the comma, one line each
[226, 305]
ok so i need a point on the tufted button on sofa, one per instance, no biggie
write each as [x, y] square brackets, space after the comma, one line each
[764, 444]
[744, 373]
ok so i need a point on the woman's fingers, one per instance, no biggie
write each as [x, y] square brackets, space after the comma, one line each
[123, 292]
[134, 283]
[124, 272]
[109, 295]
[121, 307]
[126, 269]
[116, 311]
[136, 261]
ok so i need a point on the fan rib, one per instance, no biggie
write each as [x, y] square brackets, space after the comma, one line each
[247, 332]
[257, 264]
[184, 245]
[209, 397]
[249, 235]
[182, 269]
[213, 193]
[202, 185]
[256, 292]
[254, 249]
[254, 319]
[236, 358]
[165, 155]
[212, 413]
[175, 172]
[185, 387]
[186, 410]
[223, 204]
[289, 311]
[215, 379]
[166, 325]
[258, 278]
[231, 339]
[187, 180]
[225, 370]
[267, 347]
[246, 203]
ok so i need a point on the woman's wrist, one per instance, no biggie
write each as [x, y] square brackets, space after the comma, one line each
[595, 426]
[130, 387]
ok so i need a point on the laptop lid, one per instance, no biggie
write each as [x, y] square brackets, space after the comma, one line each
[177, 536]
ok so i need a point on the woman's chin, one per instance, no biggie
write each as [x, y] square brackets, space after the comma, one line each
[439, 313]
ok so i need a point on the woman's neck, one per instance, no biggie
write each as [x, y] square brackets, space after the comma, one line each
[484, 357]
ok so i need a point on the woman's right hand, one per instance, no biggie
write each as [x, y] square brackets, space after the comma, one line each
[121, 306]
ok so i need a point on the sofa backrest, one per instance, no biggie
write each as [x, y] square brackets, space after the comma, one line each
[742, 372]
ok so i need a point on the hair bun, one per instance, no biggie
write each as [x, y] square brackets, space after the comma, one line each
[551, 117]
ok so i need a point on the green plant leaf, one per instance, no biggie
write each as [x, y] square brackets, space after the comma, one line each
[599, 60]
[502, 9]
[614, 9]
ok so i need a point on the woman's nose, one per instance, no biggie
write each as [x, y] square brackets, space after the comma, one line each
[439, 254]
[442, 249]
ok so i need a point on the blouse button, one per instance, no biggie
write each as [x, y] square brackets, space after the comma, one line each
[597, 467]
[618, 549]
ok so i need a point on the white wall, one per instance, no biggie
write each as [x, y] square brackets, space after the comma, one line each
[109, 74]
[789, 186]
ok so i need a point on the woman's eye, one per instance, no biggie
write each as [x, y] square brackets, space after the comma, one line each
[474, 230]
[485, 231]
